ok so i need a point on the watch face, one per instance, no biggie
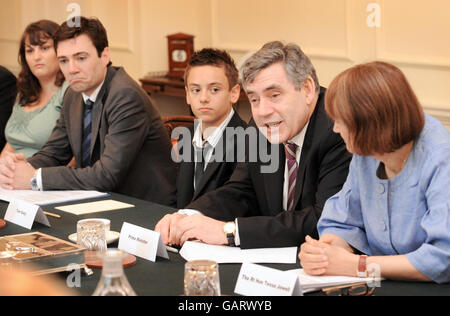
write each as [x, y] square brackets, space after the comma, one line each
[229, 228]
[179, 56]
[33, 184]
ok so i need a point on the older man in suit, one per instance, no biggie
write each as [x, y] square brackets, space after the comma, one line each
[259, 209]
[107, 123]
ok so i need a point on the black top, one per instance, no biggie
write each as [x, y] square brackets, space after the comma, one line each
[8, 93]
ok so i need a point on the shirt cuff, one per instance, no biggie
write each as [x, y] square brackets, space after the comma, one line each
[39, 179]
[189, 212]
[237, 240]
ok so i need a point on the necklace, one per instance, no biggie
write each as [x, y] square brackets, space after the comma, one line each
[390, 173]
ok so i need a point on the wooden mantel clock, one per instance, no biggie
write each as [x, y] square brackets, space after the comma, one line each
[181, 49]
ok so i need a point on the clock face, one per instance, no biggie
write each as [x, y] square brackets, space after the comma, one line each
[179, 56]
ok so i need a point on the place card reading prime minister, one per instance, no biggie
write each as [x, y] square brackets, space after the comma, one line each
[141, 242]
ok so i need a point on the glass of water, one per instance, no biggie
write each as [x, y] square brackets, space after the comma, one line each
[91, 234]
[201, 278]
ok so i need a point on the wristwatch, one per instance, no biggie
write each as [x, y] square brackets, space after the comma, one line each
[33, 183]
[230, 231]
[362, 267]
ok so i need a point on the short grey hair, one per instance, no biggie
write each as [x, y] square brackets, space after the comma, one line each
[298, 66]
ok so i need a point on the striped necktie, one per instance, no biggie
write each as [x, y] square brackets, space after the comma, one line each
[291, 150]
[87, 134]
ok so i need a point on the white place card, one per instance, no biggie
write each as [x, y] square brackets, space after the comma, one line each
[142, 242]
[25, 214]
[256, 280]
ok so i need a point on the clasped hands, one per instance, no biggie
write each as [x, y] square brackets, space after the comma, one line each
[330, 255]
[176, 229]
[15, 172]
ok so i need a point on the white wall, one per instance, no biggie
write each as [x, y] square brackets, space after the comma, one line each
[334, 33]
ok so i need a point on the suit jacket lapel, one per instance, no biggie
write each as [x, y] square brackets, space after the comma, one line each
[273, 182]
[301, 173]
[98, 106]
[307, 143]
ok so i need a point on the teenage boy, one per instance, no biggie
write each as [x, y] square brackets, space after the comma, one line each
[212, 87]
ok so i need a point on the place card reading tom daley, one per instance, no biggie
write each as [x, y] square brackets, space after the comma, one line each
[142, 242]
[25, 214]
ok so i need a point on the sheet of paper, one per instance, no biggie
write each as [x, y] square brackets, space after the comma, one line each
[48, 197]
[224, 254]
[94, 207]
[312, 283]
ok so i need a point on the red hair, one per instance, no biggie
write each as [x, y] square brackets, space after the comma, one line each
[377, 105]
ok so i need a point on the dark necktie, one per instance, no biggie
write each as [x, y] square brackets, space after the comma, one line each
[200, 164]
[87, 134]
[291, 150]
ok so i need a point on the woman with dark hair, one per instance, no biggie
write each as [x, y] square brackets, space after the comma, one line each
[392, 217]
[41, 89]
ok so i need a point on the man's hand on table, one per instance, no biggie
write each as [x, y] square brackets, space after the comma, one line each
[176, 229]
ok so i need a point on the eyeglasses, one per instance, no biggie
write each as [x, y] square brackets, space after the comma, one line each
[358, 289]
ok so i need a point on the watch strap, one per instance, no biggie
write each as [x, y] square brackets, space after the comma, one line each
[231, 241]
[362, 266]
[230, 233]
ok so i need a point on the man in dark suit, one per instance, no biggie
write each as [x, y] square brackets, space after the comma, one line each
[8, 93]
[279, 209]
[212, 87]
[107, 123]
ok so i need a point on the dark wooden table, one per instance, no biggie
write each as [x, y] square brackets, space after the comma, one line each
[165, 277]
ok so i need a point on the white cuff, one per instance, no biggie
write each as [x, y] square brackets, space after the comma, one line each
[39, 179]
[237, 240]
[189, 212]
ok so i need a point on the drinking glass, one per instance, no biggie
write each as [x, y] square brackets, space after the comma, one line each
[91, 234]
[201, 278]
